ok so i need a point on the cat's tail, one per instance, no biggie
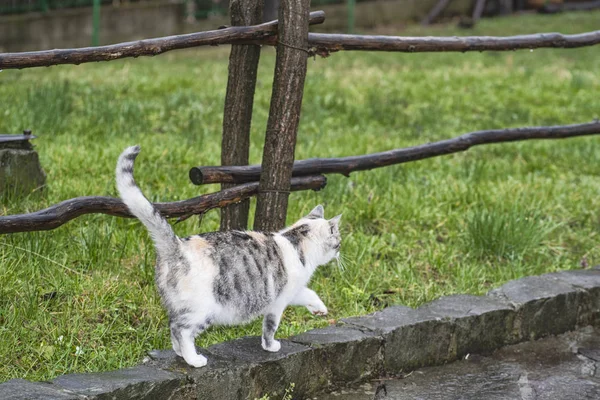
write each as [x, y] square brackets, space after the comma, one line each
[164, 237]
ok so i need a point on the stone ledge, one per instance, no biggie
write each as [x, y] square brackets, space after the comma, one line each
[140, 382]
[412, 337]
[544, 306]
[396, 339]
[348, 355]
[20, 389]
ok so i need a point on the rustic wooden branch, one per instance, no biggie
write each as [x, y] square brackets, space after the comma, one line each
[346, 165]
[319, 43]
[435, 12]
[148, 47]
[322, 43]
[237, 116]
[59, 214]
[284, 115]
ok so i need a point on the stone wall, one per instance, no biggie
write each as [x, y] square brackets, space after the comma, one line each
[73, 27]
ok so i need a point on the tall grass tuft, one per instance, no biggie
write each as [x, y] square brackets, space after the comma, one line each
[506, 232]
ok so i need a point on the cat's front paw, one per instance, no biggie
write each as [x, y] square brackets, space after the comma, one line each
[273, 346]
[318, 310]
[197, 361]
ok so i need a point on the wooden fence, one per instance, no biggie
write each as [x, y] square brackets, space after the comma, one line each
[272, 181]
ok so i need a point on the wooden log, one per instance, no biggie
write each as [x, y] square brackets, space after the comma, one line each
[284, 115]
[323, 43]
[148, 47]
[435, 12]
[237, 116]
[346, 165]
[319, 43]
[59, 214]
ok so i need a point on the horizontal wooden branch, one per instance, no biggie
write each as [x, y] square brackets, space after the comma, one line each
[318, 43]
[323, 43]
[59, 214]
[147, 47]
[346, 165]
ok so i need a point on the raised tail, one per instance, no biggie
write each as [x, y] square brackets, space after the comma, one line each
[164, 237]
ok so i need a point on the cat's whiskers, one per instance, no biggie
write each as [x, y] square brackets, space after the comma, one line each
[341, 261]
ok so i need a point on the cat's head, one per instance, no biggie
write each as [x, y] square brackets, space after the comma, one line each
[320, 238]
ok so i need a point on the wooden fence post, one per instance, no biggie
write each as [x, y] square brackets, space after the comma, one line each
[237, 117]
[435, 12]
[284, 115]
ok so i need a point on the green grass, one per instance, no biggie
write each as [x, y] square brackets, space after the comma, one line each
[82, 297]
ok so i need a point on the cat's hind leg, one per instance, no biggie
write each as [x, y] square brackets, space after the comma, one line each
[186, 339]
[270, 325]
[175, 341]
[308, 298]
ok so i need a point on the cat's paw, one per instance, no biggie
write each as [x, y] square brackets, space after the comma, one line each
[196, 361]
[273, 347]
[318, 310]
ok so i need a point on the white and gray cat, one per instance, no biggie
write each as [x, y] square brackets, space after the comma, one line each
[227, 278]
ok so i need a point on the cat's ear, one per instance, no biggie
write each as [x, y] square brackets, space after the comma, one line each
[317, 212]
[335, 220]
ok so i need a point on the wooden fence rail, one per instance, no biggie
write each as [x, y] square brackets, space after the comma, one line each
[318, 43]
[346, 165]
[255, 34]
[61, 213]
[325, 43]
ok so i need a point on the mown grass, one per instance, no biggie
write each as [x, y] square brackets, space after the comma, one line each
[82, 297]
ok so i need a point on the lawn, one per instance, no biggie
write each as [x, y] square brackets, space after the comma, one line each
[82, 297]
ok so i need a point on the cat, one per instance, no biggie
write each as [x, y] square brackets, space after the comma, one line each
[231, 277]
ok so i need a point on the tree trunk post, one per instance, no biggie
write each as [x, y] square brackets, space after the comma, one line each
[478, 10]
[435, 12]
[237, 117]
[284, 115]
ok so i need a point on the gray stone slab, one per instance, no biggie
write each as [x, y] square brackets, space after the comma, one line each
[545, 306]
[552, 367]
[142, 382]
[470, 380]
[588, 280]
[20, 389]
[387, 320]
[349, 354]
[413, 338]
[332, 335]
[592, 354]
[221, 379]
[248, 349]
[482, 323]
[272, 373]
